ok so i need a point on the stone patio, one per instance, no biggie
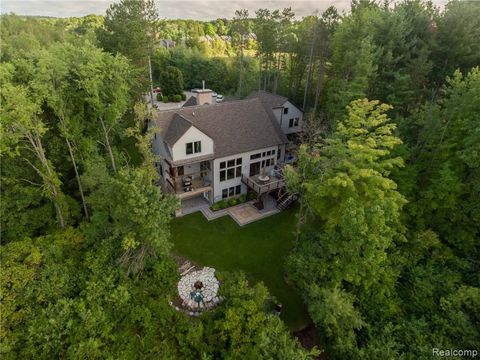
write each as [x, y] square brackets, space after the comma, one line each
[199, 299]
[192, 205]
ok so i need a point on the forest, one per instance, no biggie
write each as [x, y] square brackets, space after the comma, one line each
[387, 240]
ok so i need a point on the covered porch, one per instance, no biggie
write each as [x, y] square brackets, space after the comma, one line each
[190, 180]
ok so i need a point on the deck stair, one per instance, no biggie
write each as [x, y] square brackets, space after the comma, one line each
[286, 200]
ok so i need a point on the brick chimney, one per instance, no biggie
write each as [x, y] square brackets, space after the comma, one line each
[204, 96]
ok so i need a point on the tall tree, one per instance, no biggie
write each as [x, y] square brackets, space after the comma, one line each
[354, 220]
[241, 28]
[23, 131]
[130, 27]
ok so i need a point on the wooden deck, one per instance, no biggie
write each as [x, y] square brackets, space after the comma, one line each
[262, 187]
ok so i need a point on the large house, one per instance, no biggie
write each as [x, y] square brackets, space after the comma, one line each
[221, 150]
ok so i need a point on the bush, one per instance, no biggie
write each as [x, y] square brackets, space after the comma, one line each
[159, 97]
[177, 98]
[232, 202]
[242, 198]
[184, 96]
[215, 207]
[165, 99]
[223, 204]
[251, 196]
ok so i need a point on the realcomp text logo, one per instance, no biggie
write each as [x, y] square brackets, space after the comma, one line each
[465, 353]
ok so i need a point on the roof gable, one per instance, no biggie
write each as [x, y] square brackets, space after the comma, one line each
[177, 127]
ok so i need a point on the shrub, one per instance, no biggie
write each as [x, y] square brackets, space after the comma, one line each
[222, 204]
[232, 202]
[184, 96]
[242, 198]
[251, 196]
[177, 98]
[159, 97]
[165, 99]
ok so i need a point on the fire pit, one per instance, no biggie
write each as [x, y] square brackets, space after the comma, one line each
[198, 289]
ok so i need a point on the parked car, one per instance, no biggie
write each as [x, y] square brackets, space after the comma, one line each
[156, 90]
[219, 98]
[214, 94]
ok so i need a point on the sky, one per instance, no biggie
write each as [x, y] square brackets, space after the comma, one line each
[172, 9]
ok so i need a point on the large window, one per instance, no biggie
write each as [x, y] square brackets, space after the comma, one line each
[193, 147]
[230, 169]
[231, 191]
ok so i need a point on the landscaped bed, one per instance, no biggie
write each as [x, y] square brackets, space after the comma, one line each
[224, 204]
[258, 249]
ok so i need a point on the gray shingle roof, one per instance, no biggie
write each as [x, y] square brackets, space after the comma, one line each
[177, 128]
[234, 126]
[192, 101]
[268, 99]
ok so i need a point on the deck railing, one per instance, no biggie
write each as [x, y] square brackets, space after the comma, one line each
[272, 184]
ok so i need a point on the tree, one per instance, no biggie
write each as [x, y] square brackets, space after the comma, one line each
[23, 132]
[241, 28]
[353, 220]
[130, 29]
[171, 81]
[446, 157]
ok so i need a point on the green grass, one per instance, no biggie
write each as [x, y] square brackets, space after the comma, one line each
[258, 249]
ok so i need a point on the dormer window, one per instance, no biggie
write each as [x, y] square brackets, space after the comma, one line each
[193, 147]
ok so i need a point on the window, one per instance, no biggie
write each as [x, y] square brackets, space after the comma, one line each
[290, 123]
[230, 169]
[273, 152]
[231, 191]
[255, 156]
[263, 154]
[269, 153]
[285, 111]
[198, 146]
[193, 148]
[297, 121]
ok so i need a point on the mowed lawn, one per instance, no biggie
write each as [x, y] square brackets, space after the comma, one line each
[258, 249]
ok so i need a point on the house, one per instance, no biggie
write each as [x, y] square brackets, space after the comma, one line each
[289, 117]
[219, 151]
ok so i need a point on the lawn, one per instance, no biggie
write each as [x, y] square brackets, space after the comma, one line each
[258, 249]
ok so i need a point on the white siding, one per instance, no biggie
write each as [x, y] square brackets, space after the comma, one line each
[218, 185]
[293, 112]
[178, 150]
